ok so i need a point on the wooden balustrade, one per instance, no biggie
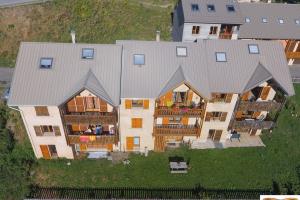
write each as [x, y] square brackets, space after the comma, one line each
[225, 36]
[91, 118]
[176, 130]
[259, 106]
[95, 139]
[186, 111]
[253, 124]
[292, 55]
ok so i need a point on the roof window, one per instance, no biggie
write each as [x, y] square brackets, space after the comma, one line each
[211, 8]
[87, 53]
[181, 51]
[230, 8]
[264, 20]
[195, 7]
[253, 49]
[139, 59]
[221, 57]
[297, 21]
[281, 21]
[247, 20]
[46, 63]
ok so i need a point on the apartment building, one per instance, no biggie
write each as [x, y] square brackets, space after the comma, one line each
[139, 96]
[225, 19]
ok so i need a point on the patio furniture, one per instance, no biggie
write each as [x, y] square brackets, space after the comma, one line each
[235, 136]
[178, 167]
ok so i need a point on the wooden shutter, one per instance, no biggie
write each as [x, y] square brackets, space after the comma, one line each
[103, 106]
[165, 120]
[45, 152]
[208, 116]
[264, 93]
[41, 111]
[228, 98]
[185, 120]
[136, 122]
[255, 114]
[83, 127]
[146, 104]
[110, 147]
[217, 135]
[56, 130]
[168, 97]
[80, 104]
[38, 130]
[75, 127]
[129, 143]
[128, 104]
[245, 96]
[83, 147]
[238, 114]
[71, 105]
[190, 96]
[223, 116]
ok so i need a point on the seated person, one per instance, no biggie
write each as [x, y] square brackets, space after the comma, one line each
[98, 129]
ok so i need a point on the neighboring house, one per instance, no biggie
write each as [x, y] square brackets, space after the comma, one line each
[236, 20]
[146, 95]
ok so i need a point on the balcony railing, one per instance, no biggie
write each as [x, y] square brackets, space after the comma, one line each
[176, 130]
[253, 124]
[225, 36]
[91, 118]
[186, 111]
[92, 139]
[292, 55]
[259, 106]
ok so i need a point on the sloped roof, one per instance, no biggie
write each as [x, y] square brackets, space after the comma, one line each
[220, 16]
[34, 86]
[273, 29]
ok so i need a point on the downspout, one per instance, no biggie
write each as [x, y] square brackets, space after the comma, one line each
[26, 127]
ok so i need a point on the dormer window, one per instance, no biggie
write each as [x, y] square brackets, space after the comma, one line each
[211, 8]
[264, 20]
[230, 8]
[139, 59]
[221, 57]
[281, 21]
[87, 53]
[247, 20]
[195, 7]
[181, 51]
[46, 63]
[253, 49]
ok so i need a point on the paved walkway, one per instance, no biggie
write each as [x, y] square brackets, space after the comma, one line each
[10, 3]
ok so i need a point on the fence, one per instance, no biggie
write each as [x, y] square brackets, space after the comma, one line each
[142, 193]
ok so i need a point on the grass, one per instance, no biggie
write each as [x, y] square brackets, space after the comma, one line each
[95, 21]
[236, 168]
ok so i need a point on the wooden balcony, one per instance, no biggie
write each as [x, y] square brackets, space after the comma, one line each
[164, 111]
[225, 36]
[292, 55]
[99, 139]
[252, 124]
[91, 118]
[176, 130]
[259, 106]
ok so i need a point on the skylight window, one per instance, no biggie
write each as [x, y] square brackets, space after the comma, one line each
[247, 20]
[139, 59]
[211, 8]
[87, 53]
[195, 7]
[230, 8]
[253, 49]
[221, 57]
[264, 20]
[181, 51]
[281, 21]
[46, 63]
[297, 21]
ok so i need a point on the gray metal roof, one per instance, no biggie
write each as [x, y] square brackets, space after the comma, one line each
[220, 16]
[163, 69]
[69, 74]
[273, 29]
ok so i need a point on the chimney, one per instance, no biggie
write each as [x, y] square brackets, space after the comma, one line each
[73, 36]
[157, 36]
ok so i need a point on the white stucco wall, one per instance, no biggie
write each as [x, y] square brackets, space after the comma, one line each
[145, 133]
[30, 120]
[187, 35]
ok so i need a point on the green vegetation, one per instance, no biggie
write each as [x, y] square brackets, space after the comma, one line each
[95, 21]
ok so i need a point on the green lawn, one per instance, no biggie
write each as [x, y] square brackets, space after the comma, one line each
[241, 168]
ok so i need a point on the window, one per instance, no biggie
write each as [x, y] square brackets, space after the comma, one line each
[214, 134]
[136, 123]
[211, 8]
[213, 30]
[247, 20]
[87, 53]
[180, 97]
[181, 51]
[230, 8]
[46, 63]
[91, 103]
[253, 49]
[47, 129]
[297, 21]
[195, 7]
[216, 115]
[41, 111]
[281, 21]
[139, 59]
[264, 20]
[196, 30]
[137, 103]
[221, 57]
[136, 142]
[53, 151]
